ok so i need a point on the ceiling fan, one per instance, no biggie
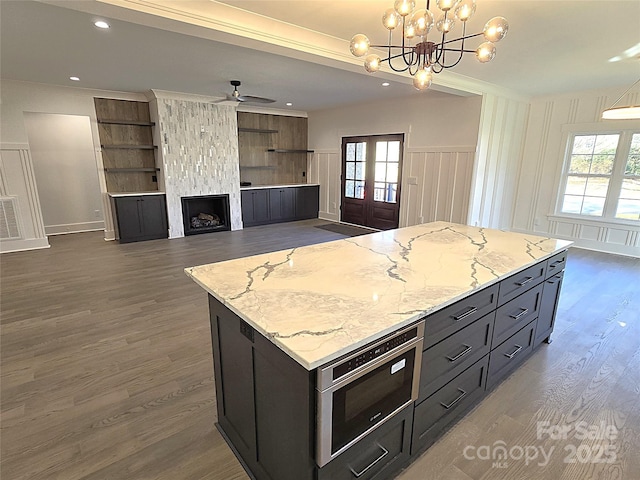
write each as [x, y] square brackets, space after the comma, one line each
[236, 97]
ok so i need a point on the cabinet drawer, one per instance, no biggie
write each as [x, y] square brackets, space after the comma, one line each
[447, 404]
[449, 320]
[556, 263]
[510, 354]
[378, 455]
[447, 359]
[519, 283]
[514, 315]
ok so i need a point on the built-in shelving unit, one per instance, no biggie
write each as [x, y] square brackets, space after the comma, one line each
[128, 152]
[272, 148]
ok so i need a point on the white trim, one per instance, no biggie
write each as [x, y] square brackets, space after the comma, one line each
[9, 246]
[447, 149]
[74, 228]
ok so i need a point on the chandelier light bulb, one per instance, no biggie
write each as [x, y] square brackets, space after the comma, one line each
[446, 5]
[391, 19]
[410, 30]
[423, 21]
[445, 24]
[496, 29]
[404, 7]
[486, 52]
[359, 45]
[372, 63]
[465, 9]
[423, 78]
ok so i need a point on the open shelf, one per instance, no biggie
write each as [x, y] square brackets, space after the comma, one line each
[129, 147]
[256, 130]
[127, 170]
[287, 150]
[127, 122]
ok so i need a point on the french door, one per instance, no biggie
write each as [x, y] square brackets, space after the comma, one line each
[371, 173]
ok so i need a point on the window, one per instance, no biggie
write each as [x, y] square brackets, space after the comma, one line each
[602, 176]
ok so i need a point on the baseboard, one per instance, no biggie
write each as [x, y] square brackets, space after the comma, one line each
[332, 217]
[8, 246]
[109, 235]
[73, 228]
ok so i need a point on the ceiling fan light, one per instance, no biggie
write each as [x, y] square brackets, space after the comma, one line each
[404, 7]
[423, 21]
[359, 45]
[445, 24]
[632, 112]
[496, 29]
[423, 78]
[446, 5]
[465, 9]
[391, 19]
[372, 63]
[486, 52]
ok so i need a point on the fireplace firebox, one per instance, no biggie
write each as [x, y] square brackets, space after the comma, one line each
[205, 214]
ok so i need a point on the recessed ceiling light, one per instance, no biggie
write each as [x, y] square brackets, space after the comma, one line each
[386, 84]
[75, 79]
[101, 24]
[289, 104]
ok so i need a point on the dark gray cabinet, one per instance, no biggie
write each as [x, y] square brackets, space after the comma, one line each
[140, 217]
[547, 317]
[255, 207]
[261, 206]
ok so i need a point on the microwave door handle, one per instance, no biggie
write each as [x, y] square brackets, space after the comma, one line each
[385, 452]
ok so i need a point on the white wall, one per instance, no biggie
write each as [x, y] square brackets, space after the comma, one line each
[541, 169]
[440, 138]
[65, 167]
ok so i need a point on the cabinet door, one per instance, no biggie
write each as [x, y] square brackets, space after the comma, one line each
[128, 218]
[246, 199]
[307, 202]
[548, 309]
[260, 200]
[282, 204]
[153, 215]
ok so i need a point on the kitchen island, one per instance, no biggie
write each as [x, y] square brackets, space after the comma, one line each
[486, 297]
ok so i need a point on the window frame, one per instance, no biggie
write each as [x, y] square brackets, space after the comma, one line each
[626, 130]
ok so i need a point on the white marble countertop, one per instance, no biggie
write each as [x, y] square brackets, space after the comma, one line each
[321, 301]
[134, 194]
[257, 187]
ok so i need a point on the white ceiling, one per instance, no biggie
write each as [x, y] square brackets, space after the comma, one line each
[552, 47]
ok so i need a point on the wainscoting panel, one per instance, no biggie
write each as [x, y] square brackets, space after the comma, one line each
[17, 181]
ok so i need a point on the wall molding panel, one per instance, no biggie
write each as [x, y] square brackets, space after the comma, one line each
[17, 180]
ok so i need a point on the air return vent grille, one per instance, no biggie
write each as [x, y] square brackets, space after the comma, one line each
[9, 228]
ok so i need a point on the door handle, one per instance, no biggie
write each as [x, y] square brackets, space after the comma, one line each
[523, 312]
[461, 354]
[385, 452]
[459, 397]
[514, 353]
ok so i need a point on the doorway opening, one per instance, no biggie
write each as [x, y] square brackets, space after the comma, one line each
[371, 174]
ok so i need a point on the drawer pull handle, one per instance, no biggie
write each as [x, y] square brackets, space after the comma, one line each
[514, 353]
[523, 312]
[460, 397]
[461, 354]
[524, 282]
[385, 452]
[465, 314]
[555, 264]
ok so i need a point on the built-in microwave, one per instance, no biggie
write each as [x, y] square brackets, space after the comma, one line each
[359, 392]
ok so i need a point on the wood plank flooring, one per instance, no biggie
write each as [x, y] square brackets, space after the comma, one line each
[107, 367]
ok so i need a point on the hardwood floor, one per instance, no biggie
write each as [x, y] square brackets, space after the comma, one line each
[107, 366]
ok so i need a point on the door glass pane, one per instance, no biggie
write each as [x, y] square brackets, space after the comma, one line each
[391, 192]
[394, 152]
[381, 172]
[378, 192]
[360, 170]
[349, 189]
[392, 172]
[359, 193]
[351, 170]
[381, 151]
[361, 152]
[351, 152]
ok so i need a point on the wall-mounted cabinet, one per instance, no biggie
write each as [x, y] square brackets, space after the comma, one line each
[272, 148]
[126, 139]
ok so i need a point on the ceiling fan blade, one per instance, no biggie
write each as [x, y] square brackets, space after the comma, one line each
[252, 99]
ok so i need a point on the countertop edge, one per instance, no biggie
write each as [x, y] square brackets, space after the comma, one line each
[133, 194]
[262, 187]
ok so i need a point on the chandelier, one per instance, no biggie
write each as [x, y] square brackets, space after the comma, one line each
[425, 58]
